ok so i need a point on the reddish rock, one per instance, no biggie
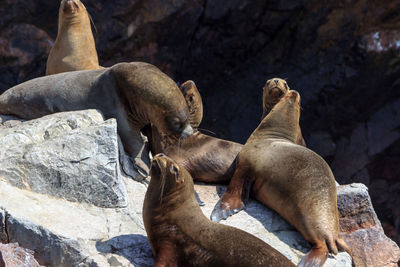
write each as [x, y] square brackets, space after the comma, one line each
[362, 230]
[12, 255]
[372, 248]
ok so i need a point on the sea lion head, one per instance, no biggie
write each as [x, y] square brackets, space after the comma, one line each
[273, 91]
[194, 102]
[283, 120]
[167, 176]
[71, 8]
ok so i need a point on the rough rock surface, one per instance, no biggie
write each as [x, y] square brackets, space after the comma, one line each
[13, 255]
[71, 155]
[362, 230]
[62, 232]
[342, 56]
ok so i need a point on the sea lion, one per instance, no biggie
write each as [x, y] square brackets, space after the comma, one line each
[291, 179]
[273, 91]
[74, 48]
[208, 159]
[180, 234]
[136, 94]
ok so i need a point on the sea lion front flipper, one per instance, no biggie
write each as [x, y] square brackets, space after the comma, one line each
[231, 202]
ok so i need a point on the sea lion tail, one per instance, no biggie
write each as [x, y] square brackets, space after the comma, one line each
[315, 258]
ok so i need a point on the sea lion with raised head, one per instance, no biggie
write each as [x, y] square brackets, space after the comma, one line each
[273, 91]
[74, 48]
[180, 234]
[208, 159]
[291, 179]
[136, 94]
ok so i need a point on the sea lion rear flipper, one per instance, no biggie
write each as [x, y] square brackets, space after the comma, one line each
[315, 258]
[342, 246]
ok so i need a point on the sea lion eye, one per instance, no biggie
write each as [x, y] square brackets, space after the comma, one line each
[175, 169]
[191, 98]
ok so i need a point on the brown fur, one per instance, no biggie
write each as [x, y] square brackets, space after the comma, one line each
[136, 94]
[273, 91]
[208, 159]
[179, 233]
[74, 48]
[289, 178]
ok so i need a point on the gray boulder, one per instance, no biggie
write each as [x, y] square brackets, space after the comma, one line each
[71, 155]
[65, 196]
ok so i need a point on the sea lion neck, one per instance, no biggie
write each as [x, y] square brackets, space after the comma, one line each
[283, 120]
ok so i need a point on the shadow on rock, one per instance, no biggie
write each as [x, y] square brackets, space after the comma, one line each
[135, 248]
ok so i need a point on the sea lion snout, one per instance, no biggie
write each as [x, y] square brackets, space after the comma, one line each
[164, 167]
[70, 6]
[294, 96]
[276, 93]
[188, 131]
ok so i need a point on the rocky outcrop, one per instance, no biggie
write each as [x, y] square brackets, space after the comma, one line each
[76, 223]
[342, 56]
[362, 230]
[70, 155]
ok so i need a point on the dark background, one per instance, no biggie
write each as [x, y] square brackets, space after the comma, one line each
[342, 56]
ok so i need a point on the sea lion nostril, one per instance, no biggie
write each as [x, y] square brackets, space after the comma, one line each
[276, 80]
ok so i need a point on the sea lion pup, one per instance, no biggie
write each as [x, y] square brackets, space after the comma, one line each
[208, 159]
[180, 234]
[74, 48]
[289, 178]
[273, 91]
[136, 94]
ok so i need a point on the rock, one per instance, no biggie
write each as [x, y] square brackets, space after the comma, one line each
[355, 209]
[266, 225]
[64, 233]
[362, 230]
[3, 233]
[322, 143]
[372, 247]
[72, 155]
[13, 255]
[346, 70]
[68, 224]
[383, 128]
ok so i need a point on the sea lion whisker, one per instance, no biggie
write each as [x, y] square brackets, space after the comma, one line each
[162, 184]
[92, 22]
[211, 132]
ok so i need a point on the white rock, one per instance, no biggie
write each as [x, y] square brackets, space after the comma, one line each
[71, 155]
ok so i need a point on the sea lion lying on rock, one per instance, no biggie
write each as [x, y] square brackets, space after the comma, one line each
[289, 178]
[74, 48]
[208, 159]
[180, 234]
[136, 94]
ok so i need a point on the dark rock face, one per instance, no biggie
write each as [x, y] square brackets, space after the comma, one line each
[342, 56]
